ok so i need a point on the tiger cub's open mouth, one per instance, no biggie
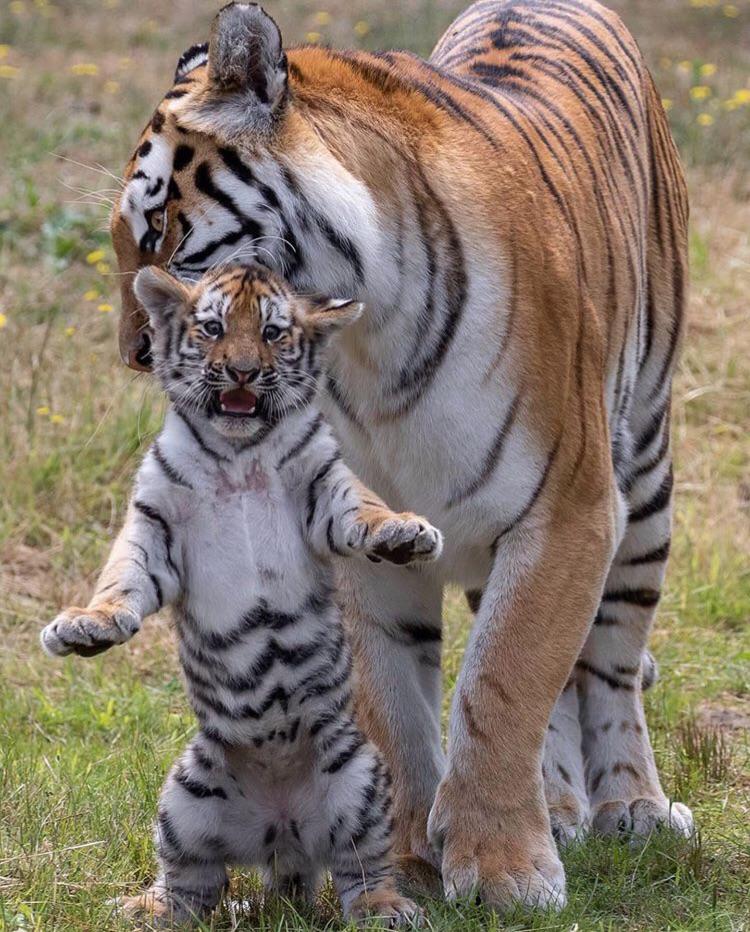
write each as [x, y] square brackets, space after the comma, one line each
[237, 402]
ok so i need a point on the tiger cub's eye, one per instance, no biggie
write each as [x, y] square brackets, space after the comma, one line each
[213, 328]
[271, 333]
[157, 221]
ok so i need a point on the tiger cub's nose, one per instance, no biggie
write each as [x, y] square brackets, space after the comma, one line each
[242, 374]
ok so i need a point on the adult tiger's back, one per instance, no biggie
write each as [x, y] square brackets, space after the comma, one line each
[576, 97]
[513, 214]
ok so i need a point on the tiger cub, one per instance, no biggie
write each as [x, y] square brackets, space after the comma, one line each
[239, 507]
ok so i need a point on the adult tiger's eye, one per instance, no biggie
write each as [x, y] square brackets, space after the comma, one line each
[213, 328]
[271, 333]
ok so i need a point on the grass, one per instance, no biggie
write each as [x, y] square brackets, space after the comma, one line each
[84, 745]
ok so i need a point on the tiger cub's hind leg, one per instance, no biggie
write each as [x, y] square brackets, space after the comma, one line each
[362, 861]
[166, 903]
[624, 789]
[189, 842]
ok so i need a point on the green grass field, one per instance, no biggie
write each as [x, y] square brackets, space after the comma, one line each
[84, 745]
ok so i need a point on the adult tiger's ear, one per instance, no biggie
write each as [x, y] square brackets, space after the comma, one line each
[160, 293]
[247, 76]
[325, 316]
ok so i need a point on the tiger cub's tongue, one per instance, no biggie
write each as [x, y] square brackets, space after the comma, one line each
[238, 401]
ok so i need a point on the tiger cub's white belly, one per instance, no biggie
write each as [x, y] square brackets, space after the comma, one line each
[239, 546]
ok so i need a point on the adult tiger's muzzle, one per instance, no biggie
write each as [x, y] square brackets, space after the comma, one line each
[135, 346]
[134, 335]
[141, 357]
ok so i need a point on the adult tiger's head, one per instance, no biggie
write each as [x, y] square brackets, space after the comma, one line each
[239, 347]
[206, 183]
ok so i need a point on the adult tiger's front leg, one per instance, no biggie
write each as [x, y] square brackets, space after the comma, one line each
[563, 764]
[393, 615]
[490, 818]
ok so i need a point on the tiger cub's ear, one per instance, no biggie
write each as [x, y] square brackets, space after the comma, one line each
[247, 73]
[160, 293]
[324, 316]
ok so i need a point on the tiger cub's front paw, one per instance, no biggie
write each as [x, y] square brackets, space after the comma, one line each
[401, 539]
[89, 631]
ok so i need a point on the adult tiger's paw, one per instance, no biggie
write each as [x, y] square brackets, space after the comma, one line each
[400, 539]
[501, 857]
[89, 631]
[640, 817]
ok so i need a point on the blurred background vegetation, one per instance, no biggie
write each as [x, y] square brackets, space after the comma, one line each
[84, 746]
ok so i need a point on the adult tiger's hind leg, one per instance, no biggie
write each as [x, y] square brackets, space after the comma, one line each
[624, 788]
[623, 783]
[563, 769]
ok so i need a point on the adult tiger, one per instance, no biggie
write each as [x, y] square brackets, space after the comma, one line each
[513, 213]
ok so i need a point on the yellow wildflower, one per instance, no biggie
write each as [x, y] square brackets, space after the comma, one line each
[700, 92]
[42, 410]
[56, 419]
[730, 104]
[102, 268]
[4, 49]
[361, 28]
[96, 255]
[18, 7]
[685, 65]
[125, 62]
[730, 10]
[69, 331]
[111, 87]
[313, 37]
[708, 70]
[85, 69]
[91, 295]
[105, 308]
[9, 71]
[742, 96]
[705, 119]
[322, 17]
[666, 103]
[3, 320]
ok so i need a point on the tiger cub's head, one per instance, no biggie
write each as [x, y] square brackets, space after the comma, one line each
[238, 348]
